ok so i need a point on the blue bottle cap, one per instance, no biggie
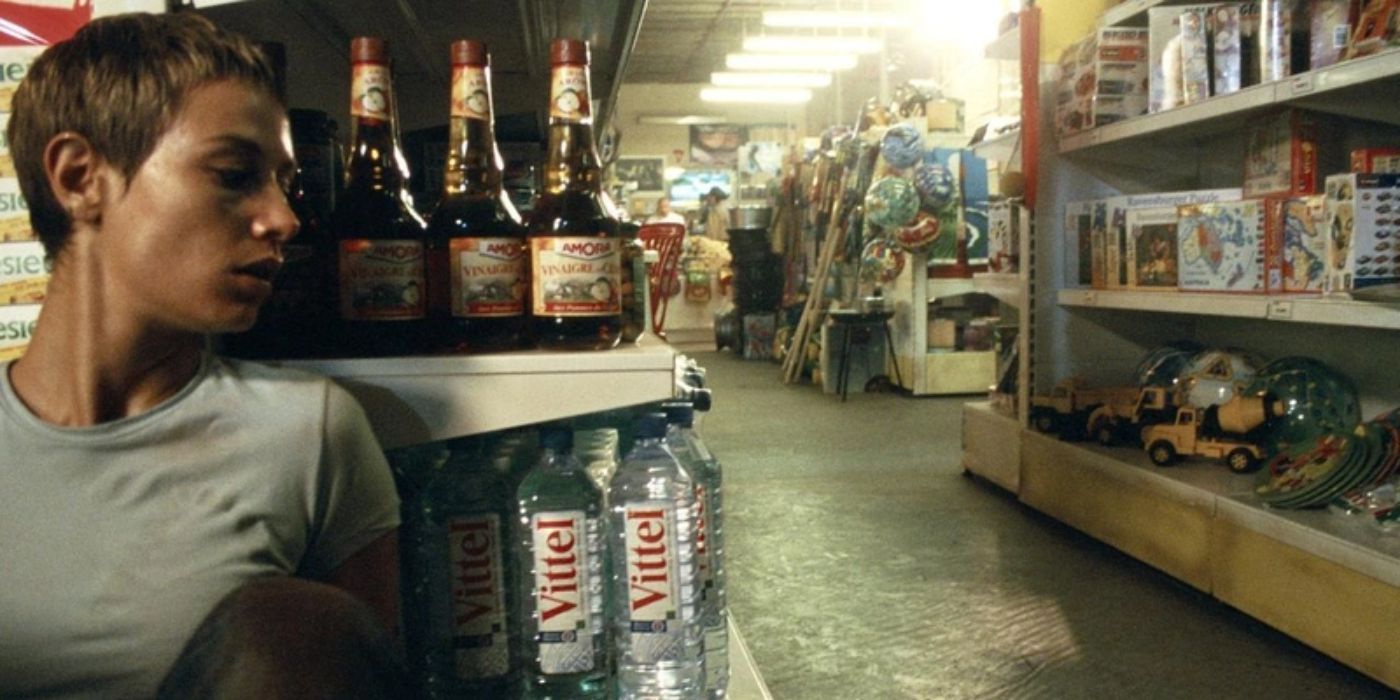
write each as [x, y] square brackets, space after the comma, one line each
[649, 425]
[556, 437]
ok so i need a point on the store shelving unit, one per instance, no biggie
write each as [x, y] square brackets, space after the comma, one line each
[932, 372]
[1318, 577]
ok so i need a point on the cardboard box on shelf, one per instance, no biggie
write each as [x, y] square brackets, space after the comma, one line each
[1296, 231]
[14, 212]
[1164, 64]
[1376, 29]
[1286, 151]
[1119, 255]
[1227, 49]
[1196, 30]
[21, 264]
[1221, 247]
[1098, 245]
[1152, 248]
[1363, 227]
[1375, 160]
[1004, 235]
[1079, 237]
[1330, 24]
[1103, 79]
[942, 334]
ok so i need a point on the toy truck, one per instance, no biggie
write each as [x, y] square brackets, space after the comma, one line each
[1121, 420]
[1067, 408]
[1220, 432]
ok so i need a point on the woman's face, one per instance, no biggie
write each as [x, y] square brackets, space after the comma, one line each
[192, 241]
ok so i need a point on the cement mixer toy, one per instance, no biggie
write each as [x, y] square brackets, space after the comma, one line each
[1217, 432]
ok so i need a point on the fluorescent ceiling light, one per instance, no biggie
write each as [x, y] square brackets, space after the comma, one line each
[790, 61]
[747, 79]
[786, 96]
[682, 119]
[831, 19]
[813, 44]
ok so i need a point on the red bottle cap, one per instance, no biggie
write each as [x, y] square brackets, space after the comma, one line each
[369, 49]
[469, 52]
[568, 52]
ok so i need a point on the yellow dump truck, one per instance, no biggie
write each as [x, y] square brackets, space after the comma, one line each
[1066, 410]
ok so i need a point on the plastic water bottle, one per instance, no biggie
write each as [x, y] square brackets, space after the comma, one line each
[704, 469]
[463, 559]
[559, 542]
[655, 594]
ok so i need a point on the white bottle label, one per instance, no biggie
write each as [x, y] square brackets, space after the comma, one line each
[576, 276]
[561, 592]
[653, 577]
[479, 632]
[568, 93]
[488, 277]
[381, 280]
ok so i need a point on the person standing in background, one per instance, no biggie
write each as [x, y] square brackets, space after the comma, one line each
[716, 214]
[147, 481]
[663, 213]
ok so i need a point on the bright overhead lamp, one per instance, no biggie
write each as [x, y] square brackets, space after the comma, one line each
[849, 19]
[682, 119]
[747, 79]
[813, 44]
[775, 96]
[790, 61]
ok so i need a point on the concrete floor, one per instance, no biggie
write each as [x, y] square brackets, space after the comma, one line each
[864, 564]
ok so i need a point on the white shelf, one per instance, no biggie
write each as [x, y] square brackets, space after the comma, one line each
[1008, 287]
[1285, 309]
[1355, 88]
[1350, 544]
[1006, 47]
[998, 148]
[1133, 13]
[949, 287]
[412, 400]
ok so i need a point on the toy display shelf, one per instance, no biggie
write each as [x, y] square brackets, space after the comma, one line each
[1284, 309]
[412, 400]
[1363, 88]
[992, 445]
[1008, 287]
[1316, 576]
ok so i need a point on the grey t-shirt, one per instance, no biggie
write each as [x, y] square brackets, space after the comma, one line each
[116, 540]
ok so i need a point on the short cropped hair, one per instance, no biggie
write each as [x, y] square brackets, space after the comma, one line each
[118, 82]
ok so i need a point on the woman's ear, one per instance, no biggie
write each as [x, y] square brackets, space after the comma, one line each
[74, 171]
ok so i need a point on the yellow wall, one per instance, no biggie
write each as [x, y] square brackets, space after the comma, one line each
[1063, 22]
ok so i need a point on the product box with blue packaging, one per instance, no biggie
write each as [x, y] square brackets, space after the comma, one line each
[1221, 247]
[1363, 224]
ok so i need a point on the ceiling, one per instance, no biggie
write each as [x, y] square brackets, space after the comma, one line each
[683, 41]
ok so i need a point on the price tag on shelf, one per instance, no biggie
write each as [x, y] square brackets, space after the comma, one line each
[1301, 84]
[1280, 310]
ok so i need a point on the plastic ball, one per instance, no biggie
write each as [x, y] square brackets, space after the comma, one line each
[920, 235]
[936, 185]
[891, 202]
[881, 262]
[902, 146]
[1216, 376]
[1163, 366]
[1317, 400]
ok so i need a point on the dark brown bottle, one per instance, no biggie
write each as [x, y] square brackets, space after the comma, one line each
[381, 284]
[575, 242]
[476, 243]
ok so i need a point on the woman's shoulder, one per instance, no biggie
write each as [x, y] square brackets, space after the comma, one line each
[258, 382]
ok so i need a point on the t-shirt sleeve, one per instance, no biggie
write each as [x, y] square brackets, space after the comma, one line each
[355, 501]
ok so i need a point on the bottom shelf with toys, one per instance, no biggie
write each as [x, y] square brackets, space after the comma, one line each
[1321, 577]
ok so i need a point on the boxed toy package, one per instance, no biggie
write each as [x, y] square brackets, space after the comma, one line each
[1375, 160]
[1195, 54]
[1129, 255]
[1078, 238]
[1330, 23]
[1285, 152]
[1004, 221]
[1098, 244]
[1227, 50]
[1363, 222]
[1376, 28]
[1297, 242]
[1103, 79]
[1152, 249]
[1221, 247]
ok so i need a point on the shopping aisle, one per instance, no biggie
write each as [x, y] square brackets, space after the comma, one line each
[863, 564]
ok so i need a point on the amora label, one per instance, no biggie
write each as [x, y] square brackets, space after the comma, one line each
[369, 91]
[471, 93]
[488, 277]
[653, 590]
[568, 93]
[576, 276]
[479, 630]
[381, 280]
[561, 592]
